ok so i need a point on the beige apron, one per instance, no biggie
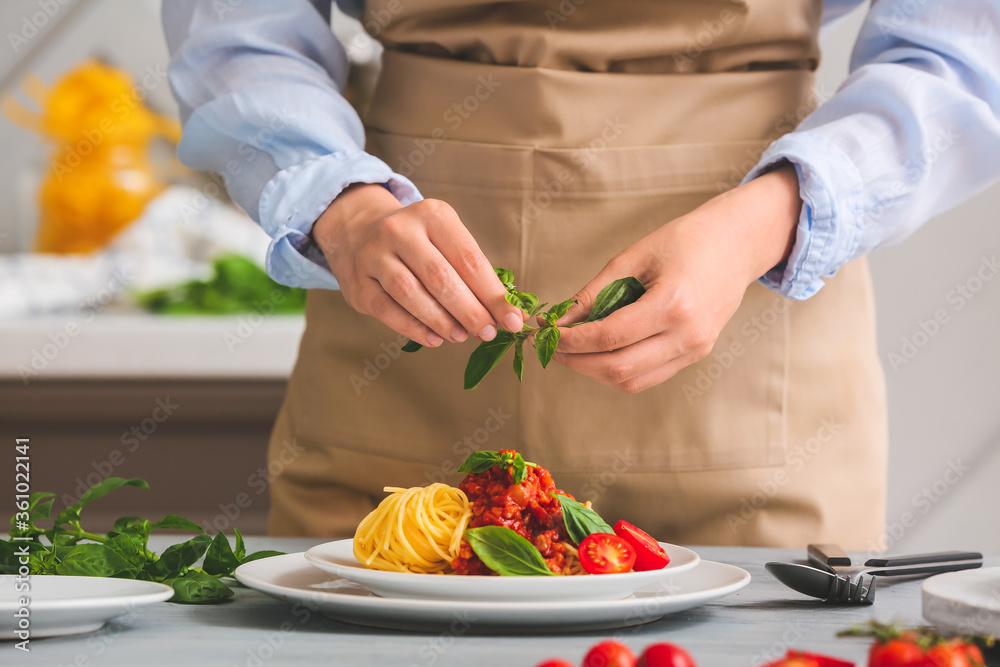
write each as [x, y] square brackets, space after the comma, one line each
[562, 132]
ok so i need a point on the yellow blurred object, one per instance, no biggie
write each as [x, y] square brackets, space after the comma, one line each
[101, 176]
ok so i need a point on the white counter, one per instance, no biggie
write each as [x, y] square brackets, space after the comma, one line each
[148, 346]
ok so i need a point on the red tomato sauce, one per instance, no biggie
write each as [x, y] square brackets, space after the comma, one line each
[526, 508]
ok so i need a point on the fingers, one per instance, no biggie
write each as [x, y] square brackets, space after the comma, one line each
[449, 291]
[408, 291]
[621, 328]
[634, 368]
[384, 308]
[462, 252]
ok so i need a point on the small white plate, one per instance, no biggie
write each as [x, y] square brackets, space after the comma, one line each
[71, 605]
[967, 601]
[338, 558]
[292, 579]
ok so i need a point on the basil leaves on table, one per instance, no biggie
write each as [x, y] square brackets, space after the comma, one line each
[483, 460]
[123, 551]
[506, 553]
[618, 294]
[580, 520]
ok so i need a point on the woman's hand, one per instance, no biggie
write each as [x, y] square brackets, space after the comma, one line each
[416, 268]
[695, 270]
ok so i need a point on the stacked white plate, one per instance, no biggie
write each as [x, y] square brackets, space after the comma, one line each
[967, 601]
[329, 579]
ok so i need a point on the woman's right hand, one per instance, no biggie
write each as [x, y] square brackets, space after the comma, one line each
[415, 268]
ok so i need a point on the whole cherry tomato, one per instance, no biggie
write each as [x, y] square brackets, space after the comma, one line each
[665, 655]
[604, 553]
[954, 653]
[556, 662]
[895, 653]
[609, 653]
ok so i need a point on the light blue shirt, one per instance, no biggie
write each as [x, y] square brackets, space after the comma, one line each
[913, 131]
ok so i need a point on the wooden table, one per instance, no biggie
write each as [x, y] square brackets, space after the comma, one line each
[747, 628]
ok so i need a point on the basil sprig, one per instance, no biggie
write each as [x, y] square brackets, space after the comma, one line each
[123, 551]
[618, 294]
[580, 520]
[485, 459]
[506, 553]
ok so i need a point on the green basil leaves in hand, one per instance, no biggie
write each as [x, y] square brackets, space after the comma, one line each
[488, 354]
[580, 520]
[507, 553]
[618, 294]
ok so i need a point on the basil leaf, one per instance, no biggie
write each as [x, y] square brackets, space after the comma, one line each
[485, 358]
[106, 486]
[241, 548]
[546, 341]
[174, 522]
[506, 277]
[558, 310]
[198, 588]
[526, 301]
[519, 358]
[257, 555]
[40, 505]
[506, 553]
[131, 553]
[480, 461]
[220, 559]
[412, 346]
[534, 311]
[92, 560]
[618, 294]
[580, 521]
[176, 558]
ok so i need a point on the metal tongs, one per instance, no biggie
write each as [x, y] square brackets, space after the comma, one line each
[832, 578]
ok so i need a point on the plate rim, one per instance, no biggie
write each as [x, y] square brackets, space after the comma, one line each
[376, 601]
[155, 594]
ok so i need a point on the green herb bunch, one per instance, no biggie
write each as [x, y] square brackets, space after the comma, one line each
[485, 358]
[66, 548]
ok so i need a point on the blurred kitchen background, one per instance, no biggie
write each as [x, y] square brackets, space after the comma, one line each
[169, 358]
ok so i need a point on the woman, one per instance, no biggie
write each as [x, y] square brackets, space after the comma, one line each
[740, 400]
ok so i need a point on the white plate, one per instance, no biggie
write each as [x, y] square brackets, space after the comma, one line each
[967, 601]
[70, 605]
[338, 558]
[292, 579]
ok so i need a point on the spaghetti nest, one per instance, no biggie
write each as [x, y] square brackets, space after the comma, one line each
[414, 530]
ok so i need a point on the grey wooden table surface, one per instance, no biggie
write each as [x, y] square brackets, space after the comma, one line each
[747, 628]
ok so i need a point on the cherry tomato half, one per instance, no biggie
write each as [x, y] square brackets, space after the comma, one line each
[604, 553]
[608, 653]
[895, 653]
[949, 654]
[665, 655]
[649, 555]
[820, 660]
[556, 662]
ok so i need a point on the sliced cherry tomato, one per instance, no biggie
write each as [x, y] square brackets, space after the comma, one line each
[793, 662]
[665, 655]
[608, 653]
[974, 655]
[949, 654]
[895, 653]
[649, 555]
[604, 553]
[556, 662]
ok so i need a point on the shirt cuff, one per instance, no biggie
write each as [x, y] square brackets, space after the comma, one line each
[829, 225]
[293, 200]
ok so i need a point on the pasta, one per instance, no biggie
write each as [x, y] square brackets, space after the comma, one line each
[414, 530]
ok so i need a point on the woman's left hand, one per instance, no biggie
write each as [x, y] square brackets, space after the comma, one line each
[696, 269]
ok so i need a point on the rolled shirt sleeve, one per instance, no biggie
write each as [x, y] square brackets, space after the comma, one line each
[912, 132]
[259, 86]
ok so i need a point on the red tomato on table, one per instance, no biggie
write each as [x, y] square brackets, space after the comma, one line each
[555, 662]
[604, 553]
[649, 555]
[609, 653]
[895, 653]
[665, 655]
